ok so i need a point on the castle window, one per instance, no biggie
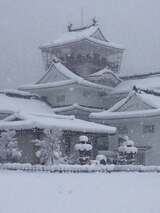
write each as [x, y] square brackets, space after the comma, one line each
[102, 93]
[86, 93]
[148, 128]
[60, 98]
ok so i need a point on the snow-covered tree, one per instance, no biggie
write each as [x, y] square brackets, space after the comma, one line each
[127, 151]
[9, 151]
[49, 148]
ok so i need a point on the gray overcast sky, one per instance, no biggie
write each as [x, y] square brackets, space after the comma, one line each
[27, 24]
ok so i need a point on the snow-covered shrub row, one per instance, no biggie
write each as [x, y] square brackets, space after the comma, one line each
[79, 168]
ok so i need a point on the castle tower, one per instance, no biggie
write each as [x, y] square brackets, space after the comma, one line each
[84, 51]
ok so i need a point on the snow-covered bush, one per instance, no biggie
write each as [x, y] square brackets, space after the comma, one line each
[49, 148]
[101, 159]
[83, 138]
[9, 151]
[127, 151]
[83, 147]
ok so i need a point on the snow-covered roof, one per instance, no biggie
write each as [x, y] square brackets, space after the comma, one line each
[103, 71]
[106, 72]
[30, 104]
[140, 75]
[64, 83]
[40, 120]
[32, 112]
[47, 85]
[73, 78]
[127, 114]
[74, 36]
[15, 92]
[57, 66]
[76, 106]
[151, 100]
[152, 82]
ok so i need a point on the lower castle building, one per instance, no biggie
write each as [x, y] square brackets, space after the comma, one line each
[28, 115]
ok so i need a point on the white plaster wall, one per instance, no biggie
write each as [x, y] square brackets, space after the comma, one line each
[73, 94]
[92, 98]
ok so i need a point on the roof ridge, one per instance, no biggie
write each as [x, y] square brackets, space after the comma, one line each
[70, 29]
[146, 91]
[73, 106]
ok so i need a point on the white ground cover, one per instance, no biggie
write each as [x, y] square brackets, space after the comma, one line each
[24, 192]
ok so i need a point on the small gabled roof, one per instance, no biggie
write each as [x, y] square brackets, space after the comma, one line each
[105, 71]
[153, 101]
[72, 78]
[59, 67]
[151, 82]
[88, 33]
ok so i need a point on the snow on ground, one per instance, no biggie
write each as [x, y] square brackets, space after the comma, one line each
[23, 192]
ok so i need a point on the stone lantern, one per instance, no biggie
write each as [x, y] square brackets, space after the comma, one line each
[84, 149]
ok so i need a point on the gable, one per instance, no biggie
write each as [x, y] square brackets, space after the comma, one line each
[53, 75]
[106, 78]
[134, 104]
[98, 35]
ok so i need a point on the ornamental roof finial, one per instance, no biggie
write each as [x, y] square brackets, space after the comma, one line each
[70, 27]
[94, 21]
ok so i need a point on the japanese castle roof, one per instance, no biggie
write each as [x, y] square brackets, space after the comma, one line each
[104, 71]
[47, 81]
[151, 99]
[151, 82]
[18, 101]
[76, 106]
[49, 121]
[88, 33]
[26, 112]
[58, 66]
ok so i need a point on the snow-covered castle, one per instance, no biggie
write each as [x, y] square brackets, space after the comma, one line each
[82, 78]
[82, 69]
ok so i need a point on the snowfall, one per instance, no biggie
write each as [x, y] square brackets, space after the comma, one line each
[25, 192]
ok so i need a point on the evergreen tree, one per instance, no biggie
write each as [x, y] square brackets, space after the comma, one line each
[49, 148]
